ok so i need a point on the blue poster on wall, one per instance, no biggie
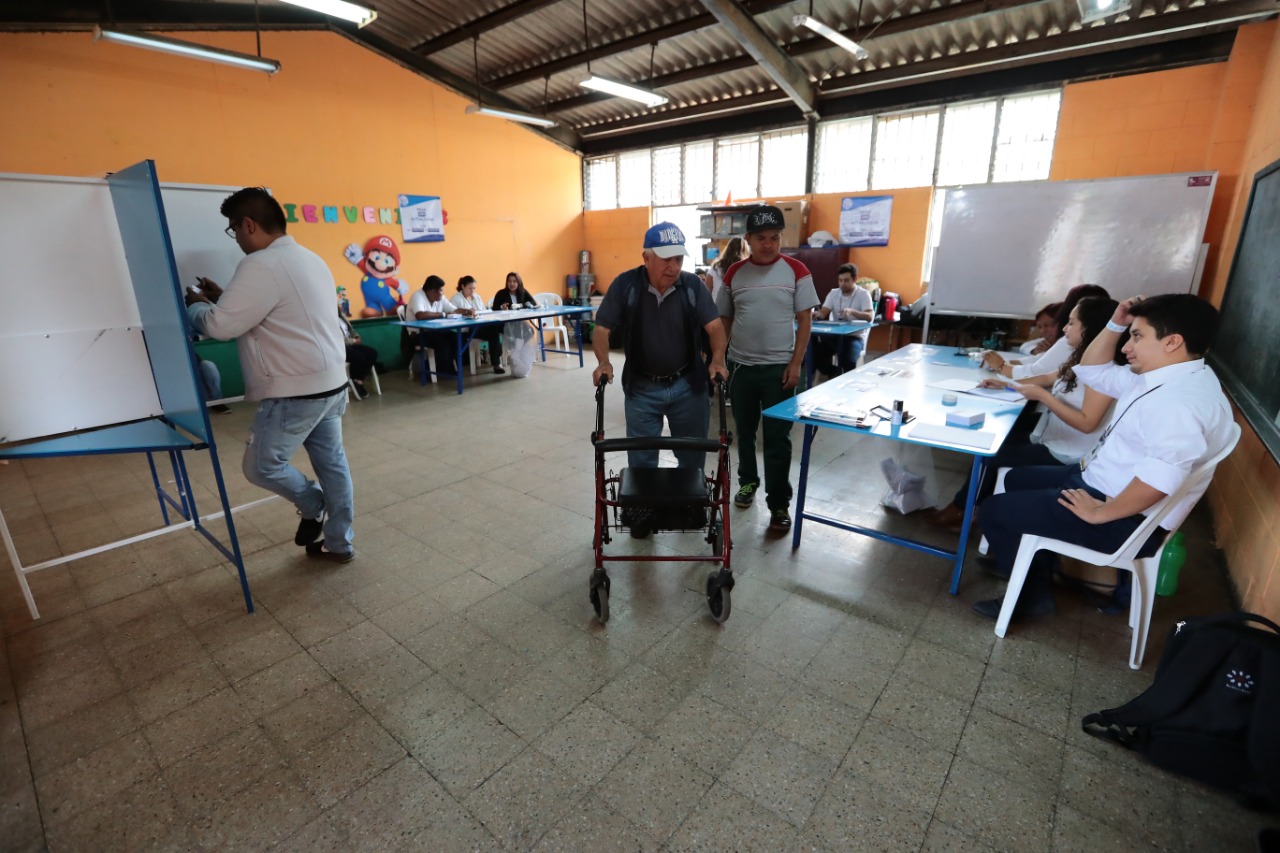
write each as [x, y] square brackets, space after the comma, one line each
[864, 220]
[421, 218]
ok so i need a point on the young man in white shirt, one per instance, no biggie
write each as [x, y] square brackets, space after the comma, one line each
[1170, 415]
[844, 304]
[429, 304]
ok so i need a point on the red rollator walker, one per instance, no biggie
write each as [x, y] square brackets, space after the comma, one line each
[651, 500]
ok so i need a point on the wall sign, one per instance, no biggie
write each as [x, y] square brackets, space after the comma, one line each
[864, 220]
[422, 218]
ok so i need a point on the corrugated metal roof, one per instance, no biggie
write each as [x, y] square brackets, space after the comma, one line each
[533, 53]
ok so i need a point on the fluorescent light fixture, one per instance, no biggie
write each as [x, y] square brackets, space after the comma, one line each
[1096, 10]
[510, 115]
[187, 49]
[358, 15]
[624, 90]
[834, 36]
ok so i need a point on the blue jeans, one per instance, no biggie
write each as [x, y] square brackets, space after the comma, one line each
[844, 349]
[279, 428]
[212, 380]
[688, 413]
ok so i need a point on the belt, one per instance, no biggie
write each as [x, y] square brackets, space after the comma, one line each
[668, 378]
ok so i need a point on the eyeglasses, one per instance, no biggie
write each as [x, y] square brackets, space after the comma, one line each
[231, 229]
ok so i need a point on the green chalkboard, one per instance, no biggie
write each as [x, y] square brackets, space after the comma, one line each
[1248, 349]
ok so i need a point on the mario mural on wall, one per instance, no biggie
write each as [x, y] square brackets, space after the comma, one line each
[379, 261]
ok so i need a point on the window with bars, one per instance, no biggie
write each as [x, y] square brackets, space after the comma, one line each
[844, 152]
[601, 191]
[905, 149]
[635, 182]
[1003, 139]
[738, 167]
[782, 161]
[967, 133]
[1024, 143]
[699, 172]
[668, 186]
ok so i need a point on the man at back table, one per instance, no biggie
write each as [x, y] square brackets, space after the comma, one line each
[279, 309]
[766, 304]
[847, 303]
[1170, 416]
[664, 313]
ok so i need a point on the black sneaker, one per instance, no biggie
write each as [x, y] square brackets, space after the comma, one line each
[221, 409]
[779, 520]
[309, 530]
[746, 495]
[361, 391]
[498, 369]
[316, 550]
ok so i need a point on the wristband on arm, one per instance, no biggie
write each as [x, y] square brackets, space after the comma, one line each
[1116, 327]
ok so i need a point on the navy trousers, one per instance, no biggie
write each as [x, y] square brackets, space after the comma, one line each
[1029, 504]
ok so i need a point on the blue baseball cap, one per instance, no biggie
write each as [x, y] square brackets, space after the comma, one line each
[665, 240]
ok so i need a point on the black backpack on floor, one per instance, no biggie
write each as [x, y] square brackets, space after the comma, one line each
[1213, 711]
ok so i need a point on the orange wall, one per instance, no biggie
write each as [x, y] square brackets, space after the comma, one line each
[897, 266]
[1246, 495]
[1226, 117]
[615, 238]
[337, 125]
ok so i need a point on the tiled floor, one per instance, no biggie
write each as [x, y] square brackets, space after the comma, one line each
[450, 690]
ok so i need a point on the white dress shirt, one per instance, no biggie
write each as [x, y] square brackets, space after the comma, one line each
[419, 302]
[1047, 362]
[1067, 444]
[1165, 422]
[475, 303]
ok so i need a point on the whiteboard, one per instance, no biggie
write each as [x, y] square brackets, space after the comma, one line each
[197, 230]
[1009, 249]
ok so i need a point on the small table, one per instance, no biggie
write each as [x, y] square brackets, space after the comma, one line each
[840, 329]
[465, 329]
[903, 375]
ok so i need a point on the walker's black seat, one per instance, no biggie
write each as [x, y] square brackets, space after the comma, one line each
[663, 487]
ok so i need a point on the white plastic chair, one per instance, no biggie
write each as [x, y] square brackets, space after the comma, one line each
[1142, 599]
[555, 325]
[373, 382]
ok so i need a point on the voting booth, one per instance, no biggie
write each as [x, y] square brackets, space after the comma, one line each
[96, 332]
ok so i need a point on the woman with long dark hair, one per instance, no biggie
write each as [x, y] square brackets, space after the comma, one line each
[734, 251]
[513, 295]
[1075, 414]
[1053, 357]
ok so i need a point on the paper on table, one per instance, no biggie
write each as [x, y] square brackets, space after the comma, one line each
[967, 386]
[953, 435]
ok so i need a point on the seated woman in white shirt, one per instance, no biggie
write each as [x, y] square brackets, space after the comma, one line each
[1047, 328]
[1054, 357]
[466, 298]
[1075, 415]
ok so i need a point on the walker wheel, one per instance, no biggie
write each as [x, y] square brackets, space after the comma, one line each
[717, 539]
[600, 594]
[719, 585]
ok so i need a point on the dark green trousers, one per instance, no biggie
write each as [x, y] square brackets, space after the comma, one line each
[752, 389]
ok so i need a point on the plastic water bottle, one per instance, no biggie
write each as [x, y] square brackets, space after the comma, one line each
[1171, 560]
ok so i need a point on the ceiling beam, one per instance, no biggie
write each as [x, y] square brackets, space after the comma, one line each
[791, 78]
[1196, 50]
[621, 45]
[481, 25]
[893, 26]
[1173, 26]
[406, 58]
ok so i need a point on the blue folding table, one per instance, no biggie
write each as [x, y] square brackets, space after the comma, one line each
[906, 375]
